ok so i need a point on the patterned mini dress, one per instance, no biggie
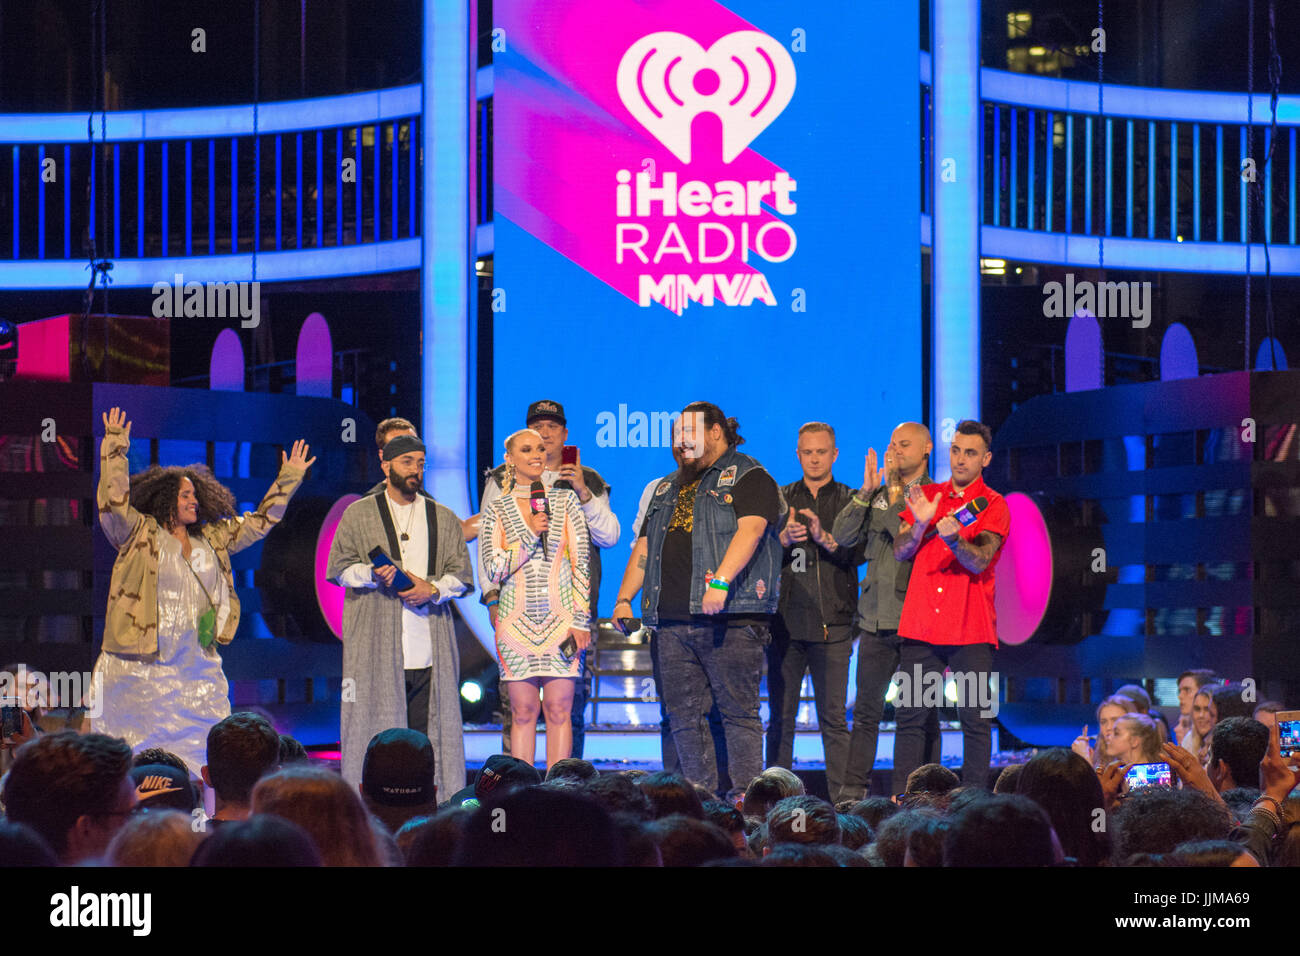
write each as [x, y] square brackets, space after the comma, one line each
[543, 589]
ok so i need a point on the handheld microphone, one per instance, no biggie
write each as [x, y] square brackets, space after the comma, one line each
[539, 505]
[965, 515]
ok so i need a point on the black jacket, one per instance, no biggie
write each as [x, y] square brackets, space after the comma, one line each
[818, 588]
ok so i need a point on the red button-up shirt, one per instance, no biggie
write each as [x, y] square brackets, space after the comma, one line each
[945, 603]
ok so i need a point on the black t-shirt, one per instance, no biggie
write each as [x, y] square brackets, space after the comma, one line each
[754, 494]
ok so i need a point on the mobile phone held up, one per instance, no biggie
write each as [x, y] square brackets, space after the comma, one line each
[569, 455]
[400, 582]
[1288, 732]
[1157, 774]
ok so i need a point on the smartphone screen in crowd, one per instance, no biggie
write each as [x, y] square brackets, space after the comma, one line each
[1158, 774]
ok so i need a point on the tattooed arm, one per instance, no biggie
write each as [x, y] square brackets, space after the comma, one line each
[633, 576]
[973, 555]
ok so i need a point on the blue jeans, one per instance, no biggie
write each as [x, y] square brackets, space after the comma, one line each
[721, 663]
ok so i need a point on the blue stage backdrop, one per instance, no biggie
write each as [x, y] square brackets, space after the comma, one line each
[706, 201]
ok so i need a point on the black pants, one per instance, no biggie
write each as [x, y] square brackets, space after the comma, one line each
[878, 660]
[787, 661]
[976, 730]
[417, 699]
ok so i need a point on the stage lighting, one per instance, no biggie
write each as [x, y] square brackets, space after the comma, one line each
[1048, 590]
[480, 697]
[8, 350]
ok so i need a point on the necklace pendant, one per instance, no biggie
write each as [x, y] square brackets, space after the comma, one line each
[406, 537]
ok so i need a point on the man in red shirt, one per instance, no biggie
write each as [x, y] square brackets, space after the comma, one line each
[948, 615]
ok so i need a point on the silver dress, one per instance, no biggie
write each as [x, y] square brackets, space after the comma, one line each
[170, 701]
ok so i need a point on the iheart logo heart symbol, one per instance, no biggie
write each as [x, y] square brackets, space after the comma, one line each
[666, 79]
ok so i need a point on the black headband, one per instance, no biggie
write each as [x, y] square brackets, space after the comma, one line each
[402, 445]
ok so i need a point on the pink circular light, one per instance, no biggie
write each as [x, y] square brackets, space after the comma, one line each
[329, 596]
[1024, 572]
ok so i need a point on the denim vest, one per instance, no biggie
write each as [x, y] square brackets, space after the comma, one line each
[756, 589]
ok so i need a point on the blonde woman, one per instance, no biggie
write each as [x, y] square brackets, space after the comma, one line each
[1136, 739]
[538, 559]
[1204, 716]
[1108, 711]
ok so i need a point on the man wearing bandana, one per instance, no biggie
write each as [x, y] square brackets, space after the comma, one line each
[400, 666]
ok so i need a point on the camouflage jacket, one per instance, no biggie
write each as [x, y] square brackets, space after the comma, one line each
[131, 621]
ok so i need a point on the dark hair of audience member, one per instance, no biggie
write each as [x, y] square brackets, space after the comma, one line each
[432, 841]
[875, 810]
[58, 778]
[262, 840]
[843, 856]
[1214, 853]
[1229, 701]
[925, 842]
[639, 846]
[1003, 830]
[931, 778]
[668, 794]
[1240, 742]
[1066, 786]
[802, 819]
[156, 838]
[1240, 801]
[1145, 860]
[323, 804]
[573, 767]
[1006, 782]
[546, 828]
[156, 755]
[799, 854]
[727, 818]
[20, 845]
[956, 800]
[292, 752]
[241, 748]
[761, 795]
[891, 835]
[1157, 819]
[684, 841]
[855, 832]
[618, 794]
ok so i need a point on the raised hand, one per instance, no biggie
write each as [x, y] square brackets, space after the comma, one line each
[1276, 778]
[539, 522]
[815, 530]
[116, 418]
[923, 508]
[873, 477]
[794, 530]
[299, 457]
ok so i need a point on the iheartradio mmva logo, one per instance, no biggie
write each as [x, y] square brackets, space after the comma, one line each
[666, 79]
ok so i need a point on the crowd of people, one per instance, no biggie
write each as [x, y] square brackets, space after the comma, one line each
[85, 799]
[734, 574]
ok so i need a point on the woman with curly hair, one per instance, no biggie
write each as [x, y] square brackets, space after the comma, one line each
[172, 597]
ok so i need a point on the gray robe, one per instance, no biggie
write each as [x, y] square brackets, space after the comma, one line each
[375, 700]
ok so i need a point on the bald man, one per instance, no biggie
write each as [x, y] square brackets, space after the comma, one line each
[872, 515]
